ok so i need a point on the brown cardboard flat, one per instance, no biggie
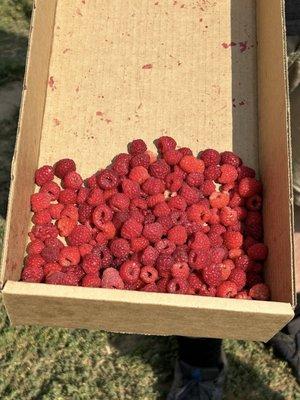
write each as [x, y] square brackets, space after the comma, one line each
[105, 72]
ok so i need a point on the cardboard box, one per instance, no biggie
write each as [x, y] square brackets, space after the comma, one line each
[99, 73]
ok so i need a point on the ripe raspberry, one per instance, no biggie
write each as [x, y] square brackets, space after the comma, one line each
[65, 226]
[208, 187]
[44, 174]
[253, 278]
[138, 244]
[212, 274]
[215, 239]
[190, 194]
[178, 286]
[108, 230]
[227, 289]
[195, 179]
[35, 247]
[82, 195]
[119, 218]
[104, 254]
[142, 159]
[173, 182]
[137, 146]
[134, 286]
[254, 203]
[235, 253]
[191, 164]
[67, 196]
[248, 187]
[84, 213]
[55, 210]
[229, 266]
[52, 189]
[79, 235]
[185, 151]
[233, 240]
[162, 285]
[159, 169]
[243, 295]
[51, 268]
[149, 256]
[91, 280]
[198, 213]
[101, 215]
[243, 262]
[120, 247]
[139, 174]
[40, 201]
[130, 271]
[228, 157]
[130, 188]
[249, 241]
[214, 217]
[50, 253]
[177, 235]
[131, 229]
[107, 179]
[155, 199]
[148, 274]
[56, 278]
[254, 218]
[199, 259]
[85, 249]
[70, 211]
[164, 263]
[41, 217]
[218, 254]
[70, 279]
[137, 215]
[228, 174]
[72, 180]
[32, 274]
[95, 197]
[217, 229]
[165, 143]
[236, 200]
[54, 242]
[200, 242]
[138, 204]
[212, 172]
[34, 261]
[172, 157]
[62, 167]
[258, 252]
[153, 186]
[228, 216]
[165, 246]
[177, 203]
[43, 232]
[238, 276]
[241, 213]
[260, 291]
[111, 279]
[91, 264]
[245, 172]
[161, 209]
[150, 287]
[69, 256]
[210, 157]
[91, 182]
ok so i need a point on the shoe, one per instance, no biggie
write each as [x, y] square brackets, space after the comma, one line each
[192, 383]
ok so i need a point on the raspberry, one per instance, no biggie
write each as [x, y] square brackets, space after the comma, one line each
[137, 146]
[150, 287]
[173, 182]
[245, 172]
[249, 241]
[101, 215]
[200, 242]
[56, 278]
[235, 253]
[228, 216]
[215, 239]
[260, 291]
[69, 256]
[195, 179]
[165, 143]
[104, 254]
[111, 279]
[161, 209]
[214, 217]
[228, 157]
[241, 213]
[67, 196]
[199, 259]
[142, 159]
[119, 218]
[139, 174]
[55, 210]
[43, 232]
[258, 252]
[185, 151]
[137, 215]
[191, 164]
[50, 253]
[212, 274]
[52, 189]
[210, 157]
[165, 246]
[107, 179]
[228, 174]
[212, 172]
[208, 187]
[130, 271]
[243, 262]
[159, 169]
[163, 264]
[148, 274]
[120, 247]
[34, 261]
[217, 229]
[227, 289]
[233, 240]
[62, 167]
[41, 217]
[236, 200]
[228, 266]
[134, 286]
[190, 194]
[198, 213]
[44, 174]
[248, 187]
[51, 268]
[54, 242]
[149, 256]
[35, 247]
[82, 195]
[172, 157]
[85, 249]
[91, 182]
[32, 274]
[79, 235]
[131, 188]
[177, 235]
[70, 279]
[91, 264]
[65, 226]
[254, 218]
[153, 186]
[162, 285]
[72, 180]
[91, 280]
[238, 276]
[166, 222]
[138, 203]
[95, 197]
[177, 203]
[242, 295]
[254, 203]
[139, 244]
[70, 211]
[131, 229]
[108, 230]
[40, 201]
[84, 213]
[178, 286]
[155, 199]
[253, 278]
[121, 164]
[218, 254]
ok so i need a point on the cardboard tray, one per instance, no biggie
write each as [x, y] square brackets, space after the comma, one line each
[99, 73]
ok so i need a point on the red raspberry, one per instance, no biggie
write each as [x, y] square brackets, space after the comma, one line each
[178, 286]
[50, 253]
[217, 229]
[52, 189]
[54, 242]
[208, 187]
[134, 286]
[95, 197]
[138, 216]
[195, 179]
[121, 164]
[228, 157]
[155, 199]
[91, 182]
[210, 157]
[153, 186]
[161, 209]
[149, 256]
[35, 247]
[67, 196]
[243, 262]
[172, 157]
[40, 201]
[165, 246]
[119, 202]
[150, 287]
[199, 259]
[185, 151]
[214, 218]
[215, 239]
[62, 167]
[84, 213]
[238, 276]
[111, 279]
[227, 289]
[139, 174]
[260, 291]
[200, 242]
[72, 180]
[91, 280]
[55, 210]
[104, 254]
[70, 279]
[131, 229]
[253, 278]
[248, 187]
[177, 235]
[159, 169]
[254, 203]
[233, 240]
[85, 249]
[190, 194]
[79, 235]
[31, 274]
[166, 222]
[56, 278]
[130, 271]
[51, 268]
[227, 266]
[82, 195]
[254, 218]
[139, 244]
[65, 226]
[228, 174]
[44, 174]
[235, 253]
[181, 254]
[241, 213]
[243, 295]
[173, 182]
[228, 216]
[69, 256]
[43, 232]
[101, 215]
[131, 188]
[177, 203]
[258, 252]
[120, 247]
[108, 230]
[91, 264]
[162, 285]
[249, 241]
[245, 172]
[212, 274]
[34, 261]
[119, 218]
[212, 172]
[41, 217]
[218, 254]
[70, 211]
[191, 164]
[165, 143]
[148, 274]
[236, 200]
[107, 179]
[137, 146]
[198, 213]
[142, 159]
[138, 204]
[163, 264]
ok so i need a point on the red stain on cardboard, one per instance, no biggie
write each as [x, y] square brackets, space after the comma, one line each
[65, 50]
[227, 45]
[51, 83]
[108, 121]
[77, 89]
[147, 66]
[243, 46]
[56, 121]
[78, 12]
[99, 113]
[83, 1]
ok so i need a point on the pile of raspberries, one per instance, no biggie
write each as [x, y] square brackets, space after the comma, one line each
[171, 223]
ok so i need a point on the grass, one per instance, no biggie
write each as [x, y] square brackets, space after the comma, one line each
[48, 363]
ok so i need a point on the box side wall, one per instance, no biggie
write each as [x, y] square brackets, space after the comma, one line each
[27, 147]
[274, 148]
